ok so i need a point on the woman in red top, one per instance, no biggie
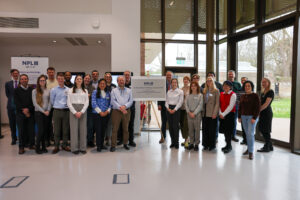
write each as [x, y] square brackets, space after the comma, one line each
[226, 114]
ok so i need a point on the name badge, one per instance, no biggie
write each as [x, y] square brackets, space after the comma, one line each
[210, 95]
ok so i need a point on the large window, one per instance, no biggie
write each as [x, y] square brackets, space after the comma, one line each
[151, 19]
[179, 55]
[247, 60]
[179, 19]
[222, 62]
[151, 58]
[278, 68]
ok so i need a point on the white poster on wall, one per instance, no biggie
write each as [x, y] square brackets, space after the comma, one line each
[32, 66]
[148, 88]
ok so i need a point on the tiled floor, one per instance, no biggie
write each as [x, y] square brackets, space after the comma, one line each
[156, 172]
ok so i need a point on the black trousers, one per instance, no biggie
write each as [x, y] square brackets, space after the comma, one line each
[229, 122]
[26, 129]
[173, 121]
[50, 135]
[100, 125]
[12, 123]
[163, 115]
[42, 122]
[130, 128]
[267, 138]
[209, 132]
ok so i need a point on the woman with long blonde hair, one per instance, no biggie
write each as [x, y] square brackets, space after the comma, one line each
[42, 105]
[266, 114]
[211, 102]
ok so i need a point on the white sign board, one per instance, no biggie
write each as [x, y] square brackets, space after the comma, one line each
[32, 66]
[148, 88]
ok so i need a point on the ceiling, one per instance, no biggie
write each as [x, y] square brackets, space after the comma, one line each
[57, 6]
[76, 40]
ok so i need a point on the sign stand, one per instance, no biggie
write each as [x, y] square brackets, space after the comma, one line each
[147, 112]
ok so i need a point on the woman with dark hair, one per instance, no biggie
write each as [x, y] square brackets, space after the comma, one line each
[248, 113]
[266, 114]
[226, 114]
[173, 104]
[193, 106]
[101, 112]
[78, 102]
[42, 107]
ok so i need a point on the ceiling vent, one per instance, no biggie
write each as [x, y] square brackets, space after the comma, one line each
[16, 22]
[77, 41]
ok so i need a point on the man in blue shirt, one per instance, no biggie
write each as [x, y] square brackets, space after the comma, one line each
[58, 99]
[121, 101]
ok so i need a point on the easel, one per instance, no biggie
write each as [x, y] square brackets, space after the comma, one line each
[147, 113]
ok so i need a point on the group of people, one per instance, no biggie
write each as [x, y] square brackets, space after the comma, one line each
[219, 107]
[77, 112]
[62, 110]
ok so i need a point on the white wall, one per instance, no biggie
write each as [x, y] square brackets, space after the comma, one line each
[123, 24]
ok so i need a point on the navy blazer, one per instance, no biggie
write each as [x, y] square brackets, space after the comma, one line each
[9, 91]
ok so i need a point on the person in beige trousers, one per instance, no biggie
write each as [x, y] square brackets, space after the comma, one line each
[78, 102]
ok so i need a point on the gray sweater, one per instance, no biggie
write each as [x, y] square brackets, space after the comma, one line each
[194, 103]
[46, 101]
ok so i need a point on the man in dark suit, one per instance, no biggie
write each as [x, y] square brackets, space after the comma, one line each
[11, 108]
[162, 107]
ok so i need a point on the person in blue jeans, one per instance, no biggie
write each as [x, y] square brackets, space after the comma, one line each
[248, 113]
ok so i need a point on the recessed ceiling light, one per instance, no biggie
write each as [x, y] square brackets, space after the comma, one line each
[172, 3]
[54, 41]
[99, 41]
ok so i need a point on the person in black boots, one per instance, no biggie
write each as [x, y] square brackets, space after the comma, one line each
[10, 86]
[173, 104]
[24, 114]
[41, 102]
[266, 115]
[226, 113]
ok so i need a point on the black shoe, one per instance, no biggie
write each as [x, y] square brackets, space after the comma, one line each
[190, 147]
[112, 149]
[104, 147]
[44, 150]
[126, 147]
[176, 146]
[196, 148]
[91, 144]
[83, 152]
[263, 150]
[14, 142]
[172, 145]
[243, 142]
[205, 148]
[224, 148]
[48, 143]
[1, 136]
[211, 148]
[234, 139]
[271, 148]
[120, 143]
[132, 144]
[227, 150]
[75, 152]
[38, 151]
[99, 149]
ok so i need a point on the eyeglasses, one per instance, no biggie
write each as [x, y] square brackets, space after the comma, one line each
[42, 80]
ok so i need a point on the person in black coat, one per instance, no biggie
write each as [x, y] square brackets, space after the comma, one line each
[24, 114]
[11, 108]
[161, 106]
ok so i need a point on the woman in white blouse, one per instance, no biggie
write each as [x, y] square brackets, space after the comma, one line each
[173, 104]
[78, 102]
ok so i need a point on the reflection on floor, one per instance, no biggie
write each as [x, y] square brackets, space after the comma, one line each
[156, 172]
